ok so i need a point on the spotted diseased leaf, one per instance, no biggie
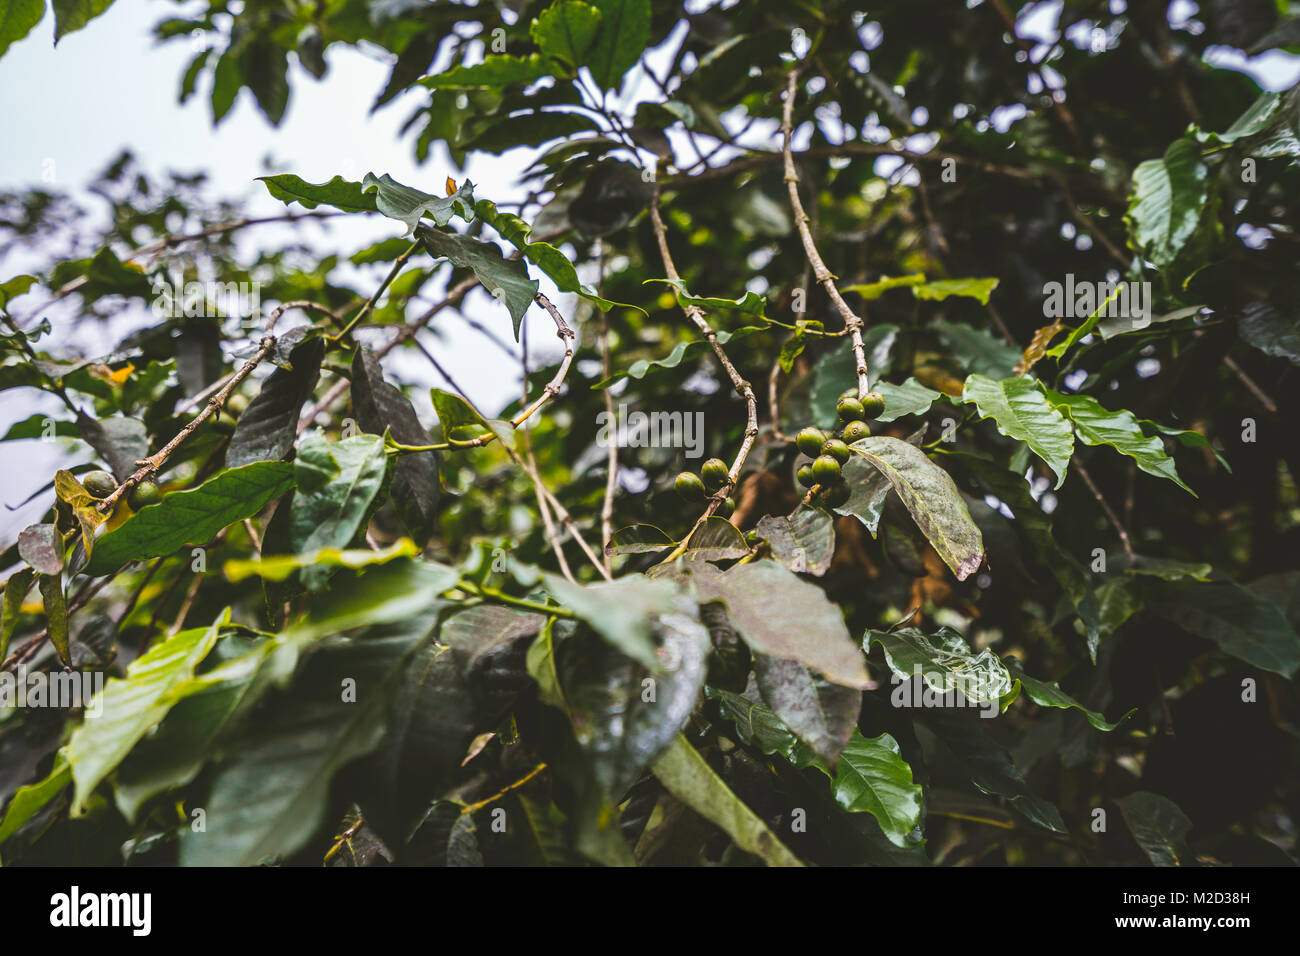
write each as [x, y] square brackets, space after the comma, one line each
[931, 497]
[804, 541]
[783, 616]
[1021, 411]
[41, 546]
[823, 715]
[191, 517]
[381, 407]
[269, 425]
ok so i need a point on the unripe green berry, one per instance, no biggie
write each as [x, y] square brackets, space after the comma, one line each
[143, 495]
[715, 473]
[805, 476]
[689, 486]
[99, 484]
[826, 470]
[836, 449]
[810, 441]
[873, 403]
[851, 410]
[855, 431]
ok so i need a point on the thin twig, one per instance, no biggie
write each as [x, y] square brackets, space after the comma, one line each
[822, 274]
[611, 458]
[1110, 513]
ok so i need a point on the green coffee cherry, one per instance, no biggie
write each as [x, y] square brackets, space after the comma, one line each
[855, 431]
[836, 449]
[835, 495]
[715, 473]
[727, 508]
[805, 476]
[873, 403]
[826, 470]
[143, 495]
[100, 484]
[851, 410]
[689, 486]
[810, 441]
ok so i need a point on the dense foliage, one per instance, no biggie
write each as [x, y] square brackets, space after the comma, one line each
[1040, 608]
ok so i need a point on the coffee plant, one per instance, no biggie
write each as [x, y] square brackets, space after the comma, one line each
[909, 480]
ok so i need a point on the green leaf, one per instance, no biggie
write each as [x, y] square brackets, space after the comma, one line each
[204, 706]
[1243, 624]
[1096, 425]
[72, 15]
[783, 616]
[56, 613]
[910, 398]
[120, 442]
[749, 303]
[17, 19]
[717, 540]
[1273, 330]
[1165, 206]
[761, 728]
[940, 289]
[337, 483]
[268, 427]
[873, 777]
[545, 256]
[20, 284]
[1021, 411]
[624, 34]
[1049, 694]
[16, 588]
[129, 709]
[338, 192]
[1159, 827]
[932, 499]
[689, 778]
[978, 351]
[381, 408]
[28, 800]
[386, 594]
[505, 279]
[945, 662]
[621, 611]
[409, 205]
[821, 714]
[269, 796]
[874, 290]
[639, 539]
[450, 690]
[622, 716]
[680, 353]
[566, 30]
[278, 567]
[191, 517]
[496, 70]
[804, 541]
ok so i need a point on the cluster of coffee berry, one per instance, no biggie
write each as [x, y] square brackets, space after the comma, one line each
[829, 453]
[100, 484]
[710, 481]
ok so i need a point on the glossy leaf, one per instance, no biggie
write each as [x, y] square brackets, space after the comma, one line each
[1165, 208]
[191, 517]
[269, 425]
[1243, 624]
[874, 778]
[1021, 411]
[1159, 826]
[506, 280]
[409, 205]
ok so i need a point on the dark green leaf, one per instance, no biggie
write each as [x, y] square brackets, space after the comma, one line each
[269, 425]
